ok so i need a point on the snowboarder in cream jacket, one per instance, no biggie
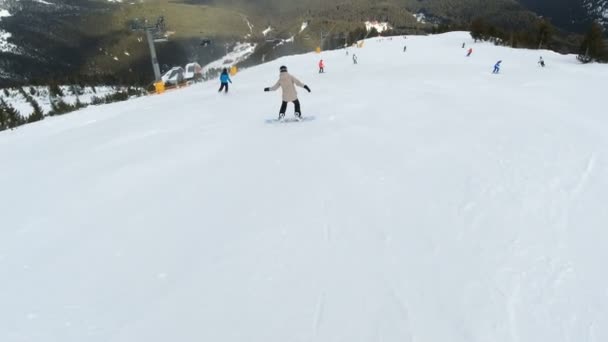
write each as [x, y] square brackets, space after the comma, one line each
[288, 84]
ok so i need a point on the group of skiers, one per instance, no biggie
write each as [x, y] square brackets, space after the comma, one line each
[541, 63]
[288, 83]
[496, 70]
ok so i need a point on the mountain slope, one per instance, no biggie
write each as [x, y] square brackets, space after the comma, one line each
[428, 200]
[93, 40]
[571, 14]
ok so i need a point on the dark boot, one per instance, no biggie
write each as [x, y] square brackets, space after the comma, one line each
[282, 110]
[298, 111]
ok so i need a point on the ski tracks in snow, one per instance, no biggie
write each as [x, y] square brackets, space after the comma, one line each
[584, 177]
[403, 313]
[318, 315]
[327, 233]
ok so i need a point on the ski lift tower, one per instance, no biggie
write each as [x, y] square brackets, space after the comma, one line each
[322, 41]
[325, 35]
[155, 33]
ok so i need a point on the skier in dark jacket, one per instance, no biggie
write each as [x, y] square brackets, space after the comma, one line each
[541, 62]
[224, 79]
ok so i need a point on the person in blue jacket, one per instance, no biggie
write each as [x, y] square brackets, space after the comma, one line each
[497, 67]
[224, 79]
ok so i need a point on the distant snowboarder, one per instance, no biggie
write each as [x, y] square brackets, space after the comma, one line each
[224, 79]
[288, 84]
[321, 67]
[469, 52]
[541, 62]
[463, 44]
[354, 59]
[497, 67]
[404, 48]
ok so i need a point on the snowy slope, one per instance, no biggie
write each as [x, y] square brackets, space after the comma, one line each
[427, 201]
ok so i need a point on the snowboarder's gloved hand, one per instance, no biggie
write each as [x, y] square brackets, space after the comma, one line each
[266, 89]
[306, 87]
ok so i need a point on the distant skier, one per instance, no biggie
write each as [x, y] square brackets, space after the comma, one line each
[321, 67]
[497, 67]
[224, 79]
[463, 44]
[469, 52]
[354, 59]
[288, 84]
[541, 62]
[404, 48]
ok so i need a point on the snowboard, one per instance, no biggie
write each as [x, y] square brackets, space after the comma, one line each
[290, 120]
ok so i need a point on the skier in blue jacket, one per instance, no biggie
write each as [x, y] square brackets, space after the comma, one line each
[497, 67]
[224, 79]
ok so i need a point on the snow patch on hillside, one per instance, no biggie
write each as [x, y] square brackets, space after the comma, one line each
[379, 26]
[249, 25]
[420, 17]
[267, 31]
[5, 45]
[239, 53]
[281, 42]
[42, 96]
[304, 26]
[599, 9]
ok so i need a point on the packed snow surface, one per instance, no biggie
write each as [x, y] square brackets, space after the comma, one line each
[428, 200]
